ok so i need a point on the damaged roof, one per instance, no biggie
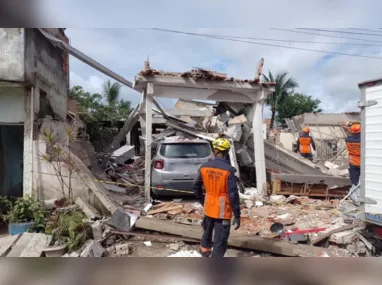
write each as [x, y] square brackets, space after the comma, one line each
[201, 74]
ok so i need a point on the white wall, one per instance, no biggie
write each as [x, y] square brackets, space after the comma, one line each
[46, 183]
[287, 140]
[12, 105]
[12, 54]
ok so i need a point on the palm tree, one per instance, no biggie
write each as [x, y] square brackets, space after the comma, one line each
[111, 92]
[282, 88]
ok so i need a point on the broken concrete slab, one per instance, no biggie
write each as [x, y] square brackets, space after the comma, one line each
[91, 181]
[30, 245]
[93, 249]
[343, 238]
[6, 243]
[37, 245]
[238, 120]
[88, 210]
[120, 220]
[188, 221]
[123, 153]
[328, 180]
[249, 242]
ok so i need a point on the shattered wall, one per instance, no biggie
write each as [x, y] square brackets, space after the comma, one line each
[46, 69]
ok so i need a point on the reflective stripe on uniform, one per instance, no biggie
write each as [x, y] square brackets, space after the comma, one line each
[222, 208]
[216, 203]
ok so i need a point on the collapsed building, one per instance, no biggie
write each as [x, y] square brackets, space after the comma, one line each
[267, 170]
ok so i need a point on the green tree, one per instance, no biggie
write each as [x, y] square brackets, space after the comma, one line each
[112, 92]
[102, 120]
[283, 86]
[297, 104]
[93, 109]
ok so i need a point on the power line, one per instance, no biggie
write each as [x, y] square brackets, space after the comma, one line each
[292, 41]
[365, 30]
[264, 44]
[341, 32]
[329, 36]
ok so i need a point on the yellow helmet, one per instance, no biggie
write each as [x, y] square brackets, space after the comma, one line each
[221, 144]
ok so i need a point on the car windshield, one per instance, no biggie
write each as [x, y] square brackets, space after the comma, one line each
[185, 150]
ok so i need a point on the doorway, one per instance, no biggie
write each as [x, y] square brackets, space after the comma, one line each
[11, 160]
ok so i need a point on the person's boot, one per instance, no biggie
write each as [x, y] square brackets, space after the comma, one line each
[355, 195]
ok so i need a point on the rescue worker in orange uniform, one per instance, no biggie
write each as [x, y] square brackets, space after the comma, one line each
[353, 144]
[221, 200]
[303, 144]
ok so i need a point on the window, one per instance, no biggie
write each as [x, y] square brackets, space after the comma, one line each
[185, 150]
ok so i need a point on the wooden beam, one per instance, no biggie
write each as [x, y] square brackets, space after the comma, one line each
[165, 209]
[248, 242]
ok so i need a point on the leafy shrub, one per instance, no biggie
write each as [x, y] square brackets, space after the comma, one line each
[25, 210]
[69, 228]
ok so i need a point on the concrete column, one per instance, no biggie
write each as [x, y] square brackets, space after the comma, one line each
[28, 142]
[128, 138]
[257, 124]
[148, 98]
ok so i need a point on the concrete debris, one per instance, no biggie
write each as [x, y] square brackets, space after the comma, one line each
[184, 253]
[111, 250]
[235, 132]
[240, 120]
[89, 211]
[97, 230]
[73, 254]
[251, 191]
[343, 238]
[93, 249]
[120, 220]
[174, 246]
[120, 250]
[277, 199]
[147, 243]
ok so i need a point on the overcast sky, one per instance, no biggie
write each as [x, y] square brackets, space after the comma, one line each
[331, 78]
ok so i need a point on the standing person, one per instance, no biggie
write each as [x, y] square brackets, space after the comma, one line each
[304, 143]
[353, 144]
[222, 198]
